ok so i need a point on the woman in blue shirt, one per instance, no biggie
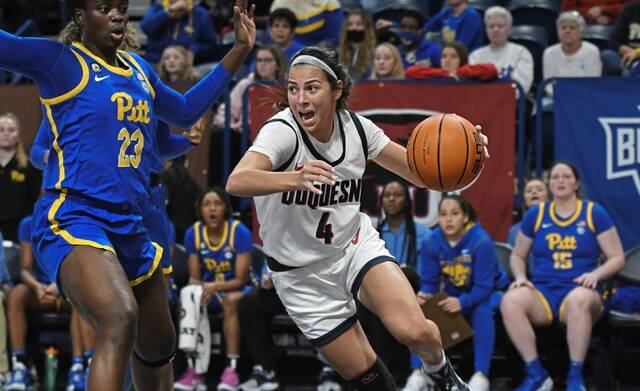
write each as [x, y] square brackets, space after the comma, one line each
[462, 254]
[566, 237]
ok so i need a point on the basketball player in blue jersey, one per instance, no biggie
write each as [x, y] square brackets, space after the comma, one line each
[462, 254]
[305, 171]
[566, 237]
[219, 249]
[88, 233]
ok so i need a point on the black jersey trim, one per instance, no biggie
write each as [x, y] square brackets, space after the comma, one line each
[355, 288]
[295, 150]
[316, 154]
[363, 136]
[335, 333]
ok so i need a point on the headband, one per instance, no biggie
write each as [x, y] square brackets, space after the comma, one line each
[315, 61]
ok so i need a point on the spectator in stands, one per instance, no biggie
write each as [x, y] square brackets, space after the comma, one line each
[512, 60]
[319, 22]
[37, 293]
[535, 191]
[19, 181]
[5, 284]
[566, 236]
[454, 64]
[458, 23]
[571, 57]
[219, 249]
[357, 44]
[603, 12]
[626, 37]
[270, 66]
[415, 49]
[387, 63]
[404, 238]
[282, 25]
[176, 65]
[182, 193]
[256, 309]
[461, 253]
[178, 22]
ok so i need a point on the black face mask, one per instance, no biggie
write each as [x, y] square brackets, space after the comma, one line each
[355, 35]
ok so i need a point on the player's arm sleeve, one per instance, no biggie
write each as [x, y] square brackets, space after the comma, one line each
[41, 145]
[485, 264]
[334, 18]
[527, 226]
[190, 241]
[602, 221]
[276, 141]
[171, 145]
[184, 110]
[429, 268]
[154, 20]
[376, 139]
[243, 241]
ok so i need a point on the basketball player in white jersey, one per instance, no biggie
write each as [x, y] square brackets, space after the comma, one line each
[304, 171]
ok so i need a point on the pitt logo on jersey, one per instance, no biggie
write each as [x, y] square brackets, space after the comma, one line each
[126, 109]
[557, 242]
[458, 271]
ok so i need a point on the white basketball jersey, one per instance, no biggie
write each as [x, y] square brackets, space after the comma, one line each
[299, 227]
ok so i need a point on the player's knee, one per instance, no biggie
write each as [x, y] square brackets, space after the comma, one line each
[376, 378]
[160, 347]
[579, 303]
[120, 320]
[512, 302]
[419, 335]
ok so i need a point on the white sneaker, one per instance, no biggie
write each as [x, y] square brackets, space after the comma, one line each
[479, 382]
[417, 381]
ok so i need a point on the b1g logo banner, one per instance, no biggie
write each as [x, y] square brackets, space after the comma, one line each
[397, 107]
[597, 127]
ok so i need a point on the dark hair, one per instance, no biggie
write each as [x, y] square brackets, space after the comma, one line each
[415, 15]
[573, 169]
[228, 211]
[462, 51]
[330, 58]
[465, 205]
[410, 225]
[283, 13]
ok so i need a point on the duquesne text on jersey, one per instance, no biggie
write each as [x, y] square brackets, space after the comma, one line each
[342, 192]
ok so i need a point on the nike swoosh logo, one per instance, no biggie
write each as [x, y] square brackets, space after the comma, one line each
[98, 79]
[546, 225]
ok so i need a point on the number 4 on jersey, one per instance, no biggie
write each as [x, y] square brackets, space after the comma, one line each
[324, 230]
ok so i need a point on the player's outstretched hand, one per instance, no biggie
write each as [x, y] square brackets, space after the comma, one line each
[587, 280]
[244, 27]
[314, 172]
[195, 134]
[485, 141]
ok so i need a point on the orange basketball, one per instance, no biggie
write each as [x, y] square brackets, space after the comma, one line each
[446, 151]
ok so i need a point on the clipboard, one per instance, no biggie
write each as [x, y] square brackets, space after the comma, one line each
[454, 328]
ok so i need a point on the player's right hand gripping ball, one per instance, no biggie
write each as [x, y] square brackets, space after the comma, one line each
[446, 152]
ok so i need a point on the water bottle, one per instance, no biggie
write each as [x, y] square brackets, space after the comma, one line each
[50, 369]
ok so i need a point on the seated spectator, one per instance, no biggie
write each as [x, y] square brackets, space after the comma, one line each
[454, 64]
[176, 65]
[404, 238]
[219, 249]
[462, 254]
[566, 236]
[182, 193]
[282, 24]
[414, 48]
[603, 12]
[571, 57]
[37, 293]
[357, 44]
[513, 61]
[319, 21]
[178, 22]
[535, 191]
[270, 66]
[19, 181]
[387, 63]
[256, 309]
[458, 23]
[625, 38]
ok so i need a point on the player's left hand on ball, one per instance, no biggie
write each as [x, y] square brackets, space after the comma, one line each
[195, 134]
[485, 141]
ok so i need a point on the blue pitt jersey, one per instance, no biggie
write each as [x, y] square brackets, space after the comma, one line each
[564, 249]
[218, 263]
[99, 148]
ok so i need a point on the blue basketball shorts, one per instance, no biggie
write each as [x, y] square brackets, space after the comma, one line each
[62, 221]
[553, 295]
[156, 221]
